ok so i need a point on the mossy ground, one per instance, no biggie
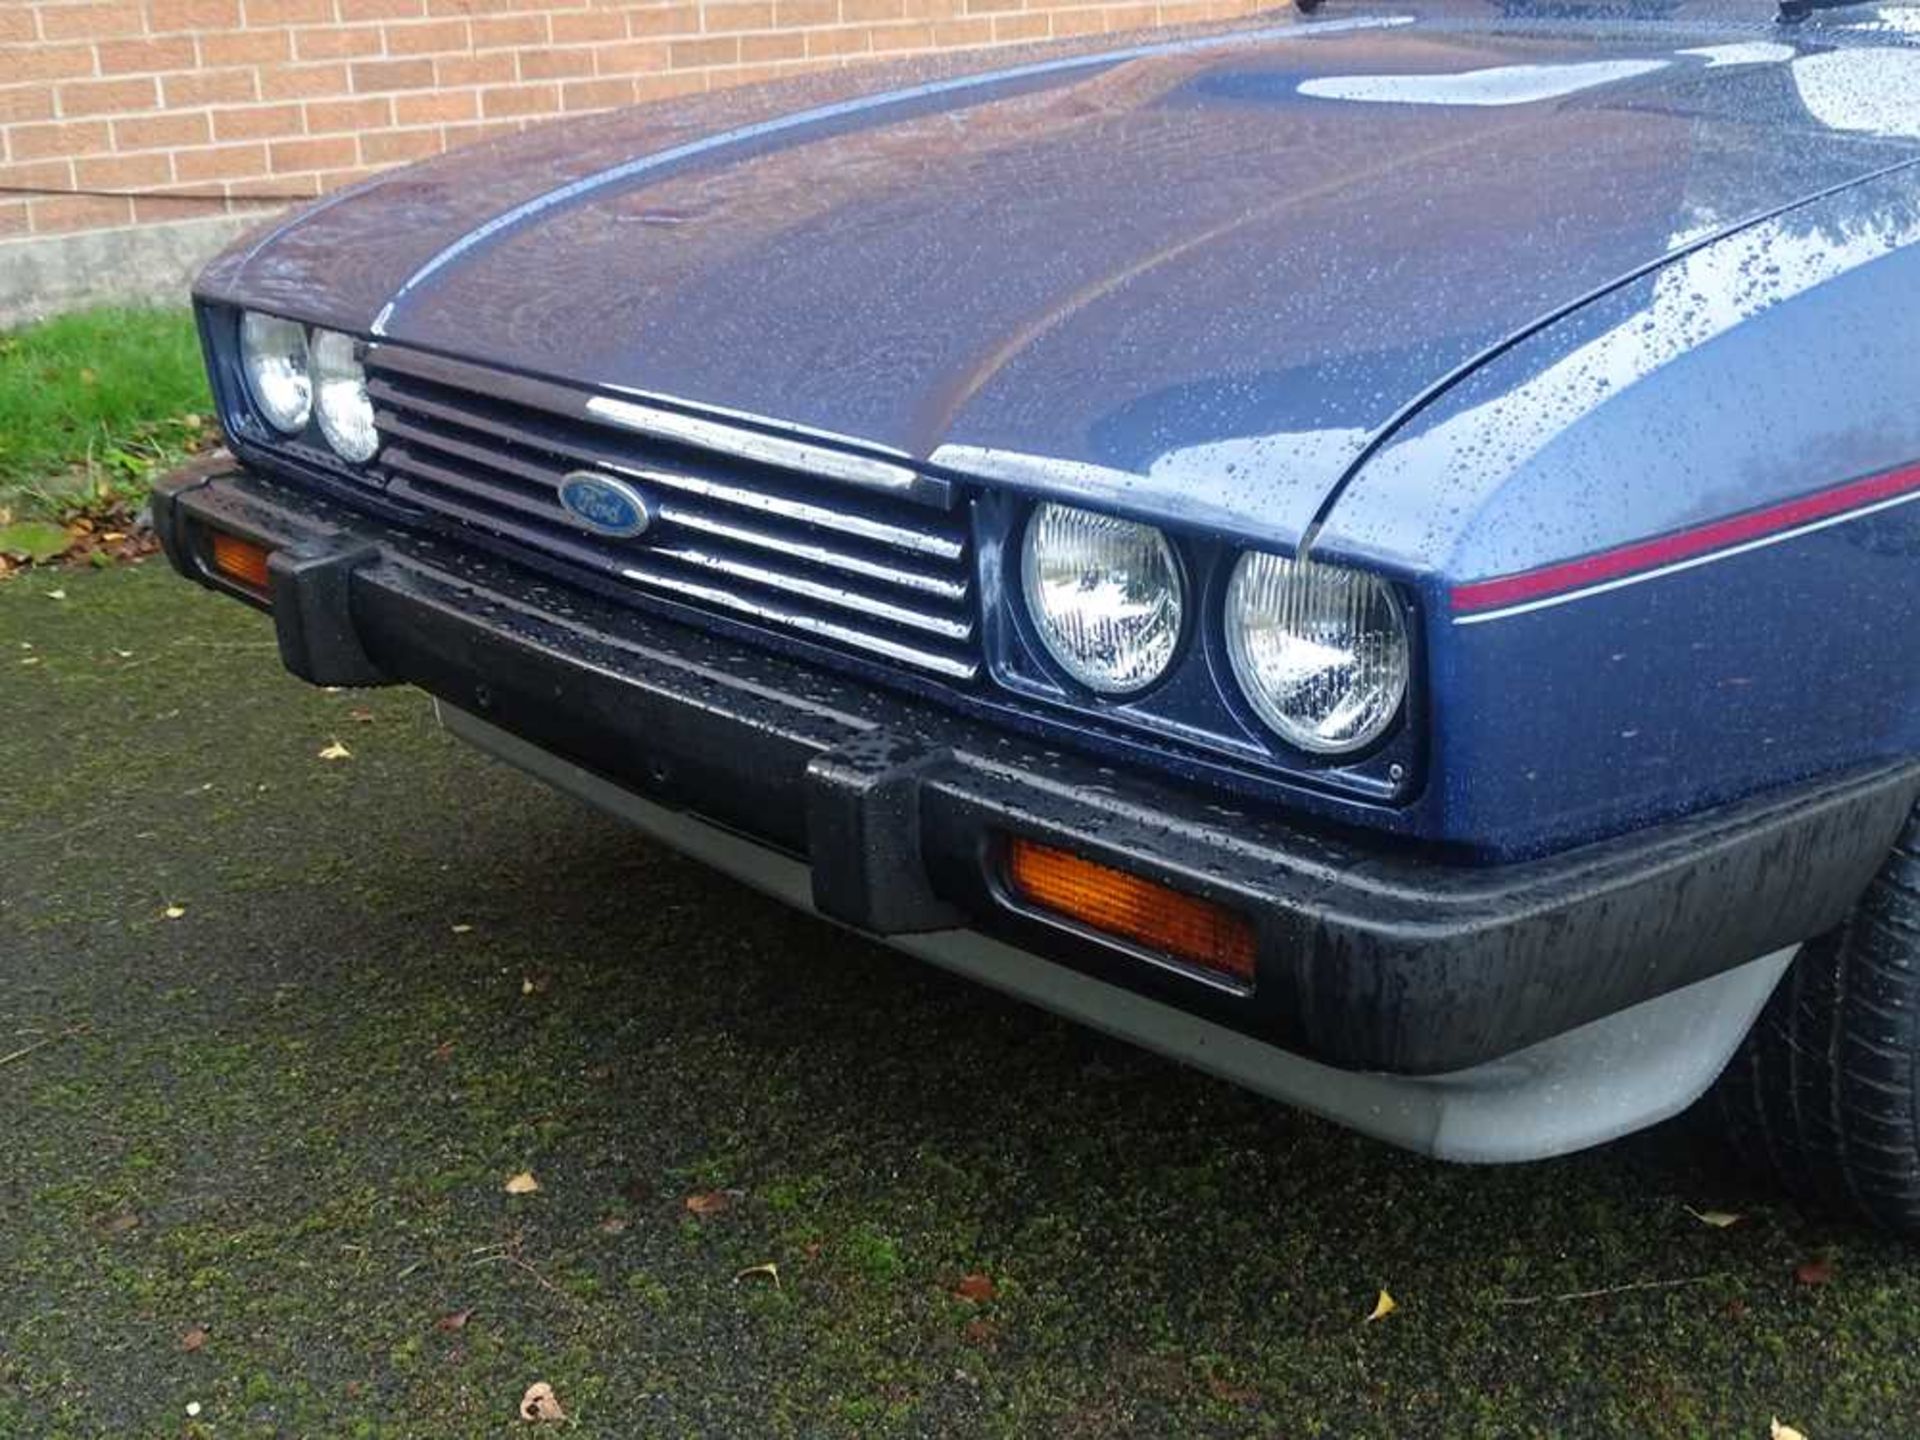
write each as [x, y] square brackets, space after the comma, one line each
[287, 1115]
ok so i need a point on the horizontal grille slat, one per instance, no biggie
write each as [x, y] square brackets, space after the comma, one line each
[608, 457]
[876, 573]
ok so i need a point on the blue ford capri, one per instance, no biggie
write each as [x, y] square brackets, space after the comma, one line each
[1374, 551]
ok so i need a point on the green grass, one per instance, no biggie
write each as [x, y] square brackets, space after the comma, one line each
[91, 405]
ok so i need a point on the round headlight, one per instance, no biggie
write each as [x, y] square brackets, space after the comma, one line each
[273, 352]
[340, 397]
[1321, 651]
[1104, 595]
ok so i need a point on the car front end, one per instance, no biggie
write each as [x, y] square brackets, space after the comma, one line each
[1308, 663]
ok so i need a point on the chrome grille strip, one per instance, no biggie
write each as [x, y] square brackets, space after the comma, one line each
[803, 550]
[403, 458]
[879, 532]
[950, 665]
[952, 591]
[948, 627]
[813, 590]
[752, 445]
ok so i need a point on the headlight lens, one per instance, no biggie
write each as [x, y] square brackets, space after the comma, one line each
[340, 397]
[273, 352]
[1320, 650]
[1104, 595]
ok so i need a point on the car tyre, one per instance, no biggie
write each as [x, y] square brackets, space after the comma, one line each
[1825, 1089]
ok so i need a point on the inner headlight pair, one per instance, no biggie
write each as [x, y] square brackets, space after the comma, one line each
[294, 377]
[1320, 651]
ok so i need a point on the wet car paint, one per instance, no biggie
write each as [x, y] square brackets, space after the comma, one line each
[1761, 373]
[1181, 283]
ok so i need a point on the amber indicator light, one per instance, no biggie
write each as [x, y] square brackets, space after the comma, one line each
[1116, 903]
[241, 561]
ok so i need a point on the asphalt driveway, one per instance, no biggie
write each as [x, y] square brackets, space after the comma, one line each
[278, 1030]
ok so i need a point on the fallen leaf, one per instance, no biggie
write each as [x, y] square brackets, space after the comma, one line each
[56, 594]
[707, 1202]
[462, 929]
[194, 1339]
[119, 1222]
[540, 1404]
[456, 1321]
[174, 912]
[522, 1184]
[975, 1287]
[613, 1225]
[362, 717]
[193, 1409]
[1382, 1308]
[1718, 1219]
[1777, 1431]
[336, 751]
[1814, 1272]
[767, 1271]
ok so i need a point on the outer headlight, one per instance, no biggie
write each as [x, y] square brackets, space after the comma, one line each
[340, 397]
[1104, 595]
[1321, 651]
[273, 352]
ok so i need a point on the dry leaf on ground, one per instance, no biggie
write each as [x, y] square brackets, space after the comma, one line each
[1777, 1431]
[456, 1321]
[174, 912]
[522, 1184]
[336, 751]
[767, 1271]
[540, 1404]
[975, 1287]
[1382, 1308]
[1718, 1219]
[707, 1202]
[1814, 1272]
[194, 1339]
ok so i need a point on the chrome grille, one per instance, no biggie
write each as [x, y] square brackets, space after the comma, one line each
[861, 554]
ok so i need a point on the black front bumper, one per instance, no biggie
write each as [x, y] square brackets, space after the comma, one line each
[1369, 957]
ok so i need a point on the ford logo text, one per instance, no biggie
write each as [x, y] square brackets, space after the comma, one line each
[605, 505]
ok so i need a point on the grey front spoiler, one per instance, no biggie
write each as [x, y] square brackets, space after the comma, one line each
[1581, 1088]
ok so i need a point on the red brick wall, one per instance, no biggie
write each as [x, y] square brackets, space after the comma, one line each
[184, 108]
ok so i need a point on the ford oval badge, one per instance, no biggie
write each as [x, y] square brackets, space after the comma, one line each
[605, 505]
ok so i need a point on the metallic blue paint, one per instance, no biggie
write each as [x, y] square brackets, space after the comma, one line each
[1448, 290]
